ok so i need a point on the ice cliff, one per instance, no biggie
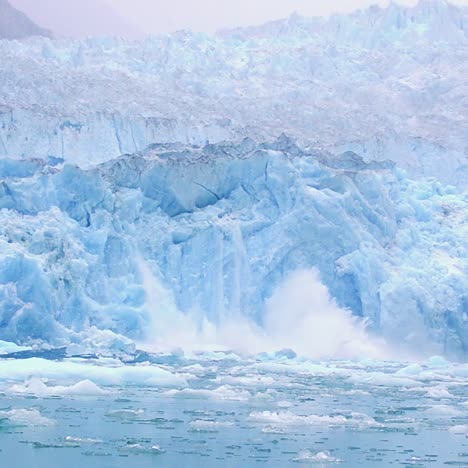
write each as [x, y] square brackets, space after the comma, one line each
[219, 227]
[386, 83]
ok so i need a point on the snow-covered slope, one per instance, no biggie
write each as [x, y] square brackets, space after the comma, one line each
[386, 83]
[16, 25]
[212, 231]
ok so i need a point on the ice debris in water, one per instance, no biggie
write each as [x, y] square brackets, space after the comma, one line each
[7, 347]
[202, 425]
[24, 417]
[82, 440]
[307, 456]
[285, 418]
[225, 392]
[125, 413]
[139, 448]
[101, 372]
[36, 386]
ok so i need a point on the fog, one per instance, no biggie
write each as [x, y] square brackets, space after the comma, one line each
[137, 18]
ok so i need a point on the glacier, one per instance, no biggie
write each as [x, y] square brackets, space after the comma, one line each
[185, 177]
[220, 227]
[386, 83]
[256, 236]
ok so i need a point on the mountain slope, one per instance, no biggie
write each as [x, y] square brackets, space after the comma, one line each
[16, 25]
[79, 18]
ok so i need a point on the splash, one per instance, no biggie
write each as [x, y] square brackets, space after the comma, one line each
[301, 315]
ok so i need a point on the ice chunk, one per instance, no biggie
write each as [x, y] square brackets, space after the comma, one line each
[202, 425]
[307, 456]
[76, 371]
[36, 386]
[24, 417]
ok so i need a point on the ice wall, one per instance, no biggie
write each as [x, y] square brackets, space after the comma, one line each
[220, 227]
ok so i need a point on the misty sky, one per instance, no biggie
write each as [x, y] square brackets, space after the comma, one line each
[136, 18]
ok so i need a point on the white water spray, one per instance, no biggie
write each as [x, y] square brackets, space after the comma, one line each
[300, 315]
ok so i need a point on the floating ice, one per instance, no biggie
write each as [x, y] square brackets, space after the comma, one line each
[7, 348]
[224, 392]
[125, 413]
[24, 417]
[202, 425]
[288, 418]
[66, 371]
[461, 429]
[36, 386]
[82, 440]
[307, 456]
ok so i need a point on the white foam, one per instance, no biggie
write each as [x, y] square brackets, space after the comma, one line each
[301, 315]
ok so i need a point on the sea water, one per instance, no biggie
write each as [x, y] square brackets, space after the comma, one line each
[222, 409]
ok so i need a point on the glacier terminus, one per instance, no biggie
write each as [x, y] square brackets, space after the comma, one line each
[240, 247]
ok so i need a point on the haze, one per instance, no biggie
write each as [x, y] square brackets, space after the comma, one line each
[138, 18]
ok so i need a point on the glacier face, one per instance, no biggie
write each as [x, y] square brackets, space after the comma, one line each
[385, 83]
[213, 220]
[220, 227]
